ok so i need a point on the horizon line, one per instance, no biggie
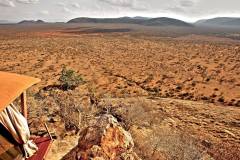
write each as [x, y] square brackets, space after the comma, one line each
[64, 21]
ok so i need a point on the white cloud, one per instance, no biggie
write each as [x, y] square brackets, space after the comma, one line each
[6, 3]
[44, 12]
[67, 10]
[75, 5]
[61, 4]
[188, 3]
[131, 4]
[183, 7]
[65, 7]
[28, 1]
[122, 3]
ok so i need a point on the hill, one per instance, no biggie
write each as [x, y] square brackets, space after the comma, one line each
[162, 21]
[219, 21]
[4, 22]
[106, 20]
[32, 22]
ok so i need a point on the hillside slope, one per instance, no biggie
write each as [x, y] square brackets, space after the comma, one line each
[162, 21]
[169, 128]
[220, 21]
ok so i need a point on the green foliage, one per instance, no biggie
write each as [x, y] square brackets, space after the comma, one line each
[69, 79]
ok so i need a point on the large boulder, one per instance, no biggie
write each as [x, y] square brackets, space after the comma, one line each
[104, 139]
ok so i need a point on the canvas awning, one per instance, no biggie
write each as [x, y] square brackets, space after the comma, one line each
[12, 85]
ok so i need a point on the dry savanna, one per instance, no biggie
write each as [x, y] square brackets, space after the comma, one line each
[176, 91]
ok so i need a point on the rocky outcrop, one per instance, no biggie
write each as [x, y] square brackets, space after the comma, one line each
[104, 139]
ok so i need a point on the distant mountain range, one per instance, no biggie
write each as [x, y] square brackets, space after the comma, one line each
[162, 21]
[4, 22]
[32, 22]
[219, 21]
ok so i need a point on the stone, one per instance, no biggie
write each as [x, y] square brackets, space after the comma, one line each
[104, 139]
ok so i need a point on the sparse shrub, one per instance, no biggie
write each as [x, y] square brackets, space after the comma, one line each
[237, 103]
[208, 79]
[194, 83]
[205, 98]
[69, 79]
[178, 87]
[221, 99]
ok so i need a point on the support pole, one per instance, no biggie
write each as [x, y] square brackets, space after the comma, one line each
[48, 131]
[24, 104]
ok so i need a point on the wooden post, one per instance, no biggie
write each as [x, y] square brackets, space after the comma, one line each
[24, 104]
[48, 131]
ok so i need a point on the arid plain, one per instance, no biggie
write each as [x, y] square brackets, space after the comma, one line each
[176, 89]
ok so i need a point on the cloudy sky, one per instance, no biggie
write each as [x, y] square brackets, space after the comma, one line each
[63, 10]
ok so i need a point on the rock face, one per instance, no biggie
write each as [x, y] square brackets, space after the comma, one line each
[105, 139]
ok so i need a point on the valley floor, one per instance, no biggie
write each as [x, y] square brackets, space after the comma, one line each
[178, 95]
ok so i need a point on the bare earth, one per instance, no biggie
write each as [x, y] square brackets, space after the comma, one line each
[179, 95]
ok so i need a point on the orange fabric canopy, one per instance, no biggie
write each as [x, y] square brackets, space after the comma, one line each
[12, 86]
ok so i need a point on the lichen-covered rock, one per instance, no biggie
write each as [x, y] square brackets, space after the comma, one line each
[104, 139]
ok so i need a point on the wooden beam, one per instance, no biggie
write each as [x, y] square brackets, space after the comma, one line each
[24, 104]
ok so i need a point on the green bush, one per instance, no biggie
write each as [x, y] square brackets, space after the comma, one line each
[69, 79]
